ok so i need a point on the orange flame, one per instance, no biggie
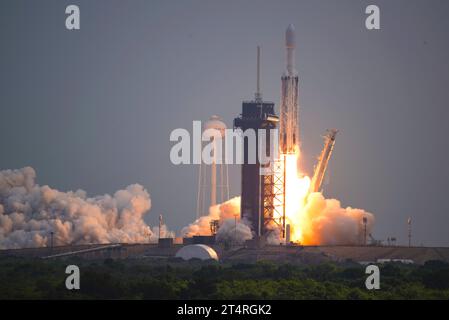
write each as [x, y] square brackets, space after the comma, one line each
[296, 191]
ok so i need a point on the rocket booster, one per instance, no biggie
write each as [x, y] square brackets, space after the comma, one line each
[289, 122]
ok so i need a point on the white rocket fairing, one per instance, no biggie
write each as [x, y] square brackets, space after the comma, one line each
[289, 123]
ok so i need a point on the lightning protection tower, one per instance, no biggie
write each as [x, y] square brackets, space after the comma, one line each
[213, 178]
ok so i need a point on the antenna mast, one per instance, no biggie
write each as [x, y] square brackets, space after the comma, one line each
[160, 225]
[258, 95]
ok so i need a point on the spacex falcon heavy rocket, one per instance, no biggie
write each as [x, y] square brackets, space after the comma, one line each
[260, 200]
[263, 198]
[289, 128]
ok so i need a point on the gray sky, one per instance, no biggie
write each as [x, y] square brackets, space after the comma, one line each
[93, 109]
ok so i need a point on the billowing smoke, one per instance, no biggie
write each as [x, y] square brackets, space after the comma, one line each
[221, 212]
[229, 230]
[325, 222]
[30, 212]
[274, 236]
[321, 221]
[233, 232]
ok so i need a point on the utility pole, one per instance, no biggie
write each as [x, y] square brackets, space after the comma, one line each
[409, 222]
[365, 221]
[160, 225]
[51, 242]
[235, 228]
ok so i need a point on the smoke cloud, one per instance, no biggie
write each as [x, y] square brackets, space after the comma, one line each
[30, 212]
[322, 222]
[234, 233]
[325, 222]
[228, 231]
[221, 212]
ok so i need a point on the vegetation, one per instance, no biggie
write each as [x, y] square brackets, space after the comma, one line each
[25, 278]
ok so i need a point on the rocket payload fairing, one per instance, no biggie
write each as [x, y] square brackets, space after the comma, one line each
[289, 122]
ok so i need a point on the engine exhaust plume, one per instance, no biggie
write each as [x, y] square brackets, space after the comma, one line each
[325, 222]
[315, 220]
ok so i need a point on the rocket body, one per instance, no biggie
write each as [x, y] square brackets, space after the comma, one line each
[289, 122]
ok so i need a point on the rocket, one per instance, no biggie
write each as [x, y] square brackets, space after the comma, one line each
[289, 122]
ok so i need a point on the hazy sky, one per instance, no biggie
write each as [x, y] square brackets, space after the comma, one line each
[94, 108]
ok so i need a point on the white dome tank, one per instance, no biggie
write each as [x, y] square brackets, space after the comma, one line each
[198, 251]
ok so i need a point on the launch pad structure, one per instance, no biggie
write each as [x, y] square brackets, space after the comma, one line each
[256, 188]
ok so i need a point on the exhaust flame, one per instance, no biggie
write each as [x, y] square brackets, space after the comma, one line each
[315, 220]
[296, 191]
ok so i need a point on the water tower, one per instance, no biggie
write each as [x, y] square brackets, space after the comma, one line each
[213, 178]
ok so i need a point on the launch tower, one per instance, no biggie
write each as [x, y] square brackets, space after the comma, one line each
[256, 188]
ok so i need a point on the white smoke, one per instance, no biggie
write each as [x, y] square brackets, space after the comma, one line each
[274, 234]
[233, 232]
[201, 226]
[165, 233]
[323, 222]
[30, 212]
[226, 213]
